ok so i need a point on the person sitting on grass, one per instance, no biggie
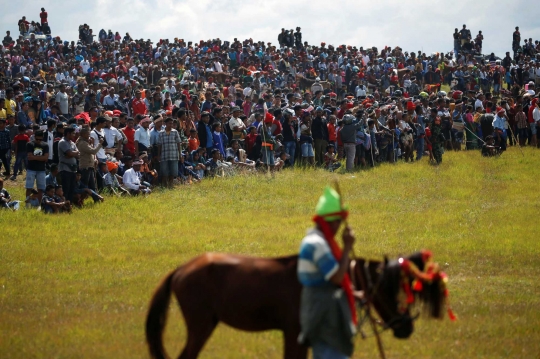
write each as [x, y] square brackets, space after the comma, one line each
[110, 180]
[185, 172]
[32, 201]
[48, 203]
[197, 162]
[132, 180]
[82, 192]
[5, 198]
[148, 175]
[51, 177]
[238, 156]
[60, 199]
[213, 163]
[330, 159]
[489, 149]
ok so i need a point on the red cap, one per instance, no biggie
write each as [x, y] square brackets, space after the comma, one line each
[410, 106]
[268, 118]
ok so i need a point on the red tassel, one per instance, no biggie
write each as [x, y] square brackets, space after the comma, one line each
[410, 296]
[451, 314]
[336, 251]
[417, 286]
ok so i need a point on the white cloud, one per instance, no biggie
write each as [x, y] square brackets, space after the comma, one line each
[423, 24]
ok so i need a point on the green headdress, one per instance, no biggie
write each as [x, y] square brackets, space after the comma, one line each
[329, 206]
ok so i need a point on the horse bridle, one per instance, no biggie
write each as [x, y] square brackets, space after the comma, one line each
[370, 291]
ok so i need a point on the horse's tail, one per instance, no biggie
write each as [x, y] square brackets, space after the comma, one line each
[157, 318]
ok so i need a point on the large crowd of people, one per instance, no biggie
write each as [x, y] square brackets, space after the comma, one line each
[111, 114]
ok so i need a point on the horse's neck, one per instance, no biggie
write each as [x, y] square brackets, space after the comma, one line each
[365, 273]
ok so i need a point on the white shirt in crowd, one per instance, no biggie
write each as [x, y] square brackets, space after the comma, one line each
[131, 179]
[478, 104]
[112, 135]
[63, 100]
[235, 122]
[85, 65]
[50, 143]
[109, 101]
[94, 134]
[142, 135]
[536, 114]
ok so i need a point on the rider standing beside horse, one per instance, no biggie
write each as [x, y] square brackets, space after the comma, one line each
[309, 297]
[327, 311]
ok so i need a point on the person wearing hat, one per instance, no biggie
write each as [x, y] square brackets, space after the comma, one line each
[131, 179]
[110, 182]
[327, 305]
[237, 126]
[138, 105]
[268, 142]
[142, 136]
[88, 147]
[437, 138]
[499, 128]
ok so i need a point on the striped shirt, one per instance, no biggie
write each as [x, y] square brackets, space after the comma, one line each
[521, 120]
[316, 264]
[169, 145]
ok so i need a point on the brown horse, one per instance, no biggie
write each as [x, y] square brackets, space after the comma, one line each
[257, 294]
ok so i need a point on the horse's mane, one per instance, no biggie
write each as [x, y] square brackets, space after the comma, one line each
[431, 296]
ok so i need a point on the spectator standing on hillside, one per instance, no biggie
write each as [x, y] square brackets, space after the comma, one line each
[43, 16]
[38, 155]
[516, 41]
[169, 147]
[5, 147]
[68, 155]
[87, 149]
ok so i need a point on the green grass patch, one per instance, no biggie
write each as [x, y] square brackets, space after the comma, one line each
[78, 286]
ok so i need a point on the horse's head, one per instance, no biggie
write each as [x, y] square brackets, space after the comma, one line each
[394, 287]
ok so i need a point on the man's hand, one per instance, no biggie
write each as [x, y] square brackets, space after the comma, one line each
[348, 237]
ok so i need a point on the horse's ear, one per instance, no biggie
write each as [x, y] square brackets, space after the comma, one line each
[385, 260]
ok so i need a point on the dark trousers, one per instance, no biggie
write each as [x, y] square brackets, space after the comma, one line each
[20, 159]
[68, 184]
[88, 177]
[5, 161]
[320, 150]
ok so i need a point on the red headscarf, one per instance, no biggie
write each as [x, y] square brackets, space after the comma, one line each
[337, 253]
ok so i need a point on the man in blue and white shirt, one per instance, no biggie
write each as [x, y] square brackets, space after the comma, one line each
[326, 316]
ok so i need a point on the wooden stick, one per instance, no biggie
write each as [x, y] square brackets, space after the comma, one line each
[371, 319]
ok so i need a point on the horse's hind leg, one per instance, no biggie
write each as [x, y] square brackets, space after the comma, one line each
[293, 350]
[199, 330]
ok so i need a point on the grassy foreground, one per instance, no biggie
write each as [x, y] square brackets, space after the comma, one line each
[78, 286]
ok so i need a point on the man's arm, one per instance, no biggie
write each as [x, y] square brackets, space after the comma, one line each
[43, 158]
[68, 152]
[137, 136]
[348, 241]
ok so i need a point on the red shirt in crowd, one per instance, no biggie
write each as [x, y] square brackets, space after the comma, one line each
[130, 135]
[331, 132]
[139, 107]
[43, 17]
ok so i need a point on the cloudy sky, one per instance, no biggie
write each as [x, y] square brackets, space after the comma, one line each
[420, 25]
